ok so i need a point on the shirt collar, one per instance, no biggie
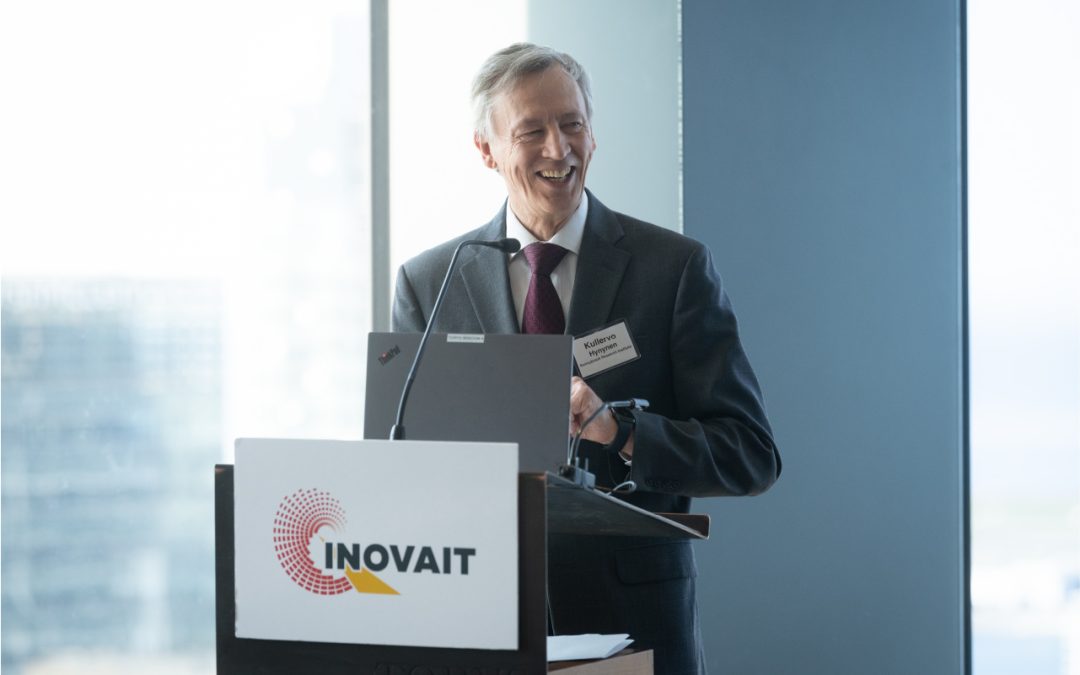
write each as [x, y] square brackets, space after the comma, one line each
[568, 236]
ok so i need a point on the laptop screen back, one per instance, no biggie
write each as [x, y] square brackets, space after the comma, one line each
[489, 388]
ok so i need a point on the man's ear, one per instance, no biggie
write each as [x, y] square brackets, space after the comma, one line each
[485, 151]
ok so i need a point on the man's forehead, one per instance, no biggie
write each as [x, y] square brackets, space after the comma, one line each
[541, 96]
[551, 81]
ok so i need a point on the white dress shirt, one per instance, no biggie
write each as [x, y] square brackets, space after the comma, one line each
[562, 277]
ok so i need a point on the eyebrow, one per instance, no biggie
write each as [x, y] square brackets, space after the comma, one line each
[537, 122]
[527, 122]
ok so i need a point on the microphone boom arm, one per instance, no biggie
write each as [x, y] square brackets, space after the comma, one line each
[397, 432]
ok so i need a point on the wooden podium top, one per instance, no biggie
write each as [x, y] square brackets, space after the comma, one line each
[626, 662]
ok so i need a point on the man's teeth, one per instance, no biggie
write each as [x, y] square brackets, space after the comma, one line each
[557, 174]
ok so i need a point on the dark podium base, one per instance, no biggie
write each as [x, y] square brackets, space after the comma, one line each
[545, 501]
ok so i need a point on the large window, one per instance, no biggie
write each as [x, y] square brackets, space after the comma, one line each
[185, 260]
[1024, 227]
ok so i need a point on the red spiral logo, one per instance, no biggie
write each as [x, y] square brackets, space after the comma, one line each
[298, 519]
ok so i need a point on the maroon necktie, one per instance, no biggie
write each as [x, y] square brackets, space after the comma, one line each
[543, 309]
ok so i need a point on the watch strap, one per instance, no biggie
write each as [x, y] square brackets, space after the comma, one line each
[626, 423]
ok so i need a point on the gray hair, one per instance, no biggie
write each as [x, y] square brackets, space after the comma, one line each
[508, 66]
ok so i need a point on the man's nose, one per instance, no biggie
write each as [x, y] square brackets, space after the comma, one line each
[556, 145]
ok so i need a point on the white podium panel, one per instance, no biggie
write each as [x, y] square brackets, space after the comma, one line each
[410, 543]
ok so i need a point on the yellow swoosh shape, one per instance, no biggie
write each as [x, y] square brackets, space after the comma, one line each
[365, 581]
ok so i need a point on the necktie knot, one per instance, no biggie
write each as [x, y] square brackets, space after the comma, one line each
[543, 258]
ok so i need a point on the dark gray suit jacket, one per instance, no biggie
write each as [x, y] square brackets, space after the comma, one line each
[705, 432]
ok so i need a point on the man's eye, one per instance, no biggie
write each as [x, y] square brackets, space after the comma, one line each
[576, 125]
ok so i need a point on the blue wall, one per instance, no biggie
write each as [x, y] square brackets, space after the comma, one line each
[822, 166]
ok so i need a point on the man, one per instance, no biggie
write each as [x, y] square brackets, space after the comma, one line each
[705, 432]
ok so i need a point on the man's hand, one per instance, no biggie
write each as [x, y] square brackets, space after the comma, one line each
[583, 403]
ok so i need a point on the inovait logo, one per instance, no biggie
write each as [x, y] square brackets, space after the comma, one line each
[308, 524]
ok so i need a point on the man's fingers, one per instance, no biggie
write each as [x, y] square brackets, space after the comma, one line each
[583, 403]
[580, 397]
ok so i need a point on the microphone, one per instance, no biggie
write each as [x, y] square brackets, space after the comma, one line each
[506, 245]
[581, 475]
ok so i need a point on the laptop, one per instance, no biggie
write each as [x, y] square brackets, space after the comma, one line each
[469, 387]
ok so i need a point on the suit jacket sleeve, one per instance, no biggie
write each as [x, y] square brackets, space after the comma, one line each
[407, 316]
[719, 441]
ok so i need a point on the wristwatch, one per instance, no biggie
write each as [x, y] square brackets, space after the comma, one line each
[626, 423]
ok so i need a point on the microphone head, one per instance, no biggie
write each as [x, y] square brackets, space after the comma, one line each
[509, 245]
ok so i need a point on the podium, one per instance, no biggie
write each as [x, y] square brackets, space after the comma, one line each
[546, 504]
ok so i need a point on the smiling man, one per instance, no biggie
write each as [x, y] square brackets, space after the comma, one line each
[583, 268]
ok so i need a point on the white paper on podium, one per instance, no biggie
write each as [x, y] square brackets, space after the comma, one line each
[587, 646]
[411, 543]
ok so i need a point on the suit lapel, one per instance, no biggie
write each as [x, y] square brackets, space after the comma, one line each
[600, 269]
[487, 281]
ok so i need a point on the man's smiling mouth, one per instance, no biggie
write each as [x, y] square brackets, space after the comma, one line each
[557, 175]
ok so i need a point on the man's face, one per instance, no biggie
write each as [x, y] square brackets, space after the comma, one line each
[541, 142]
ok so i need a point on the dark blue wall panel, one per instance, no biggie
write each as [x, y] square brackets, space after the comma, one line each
[823, 168]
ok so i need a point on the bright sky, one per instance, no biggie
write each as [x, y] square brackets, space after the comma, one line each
[134, 133]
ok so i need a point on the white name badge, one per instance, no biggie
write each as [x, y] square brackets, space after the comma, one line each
[604, 349]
